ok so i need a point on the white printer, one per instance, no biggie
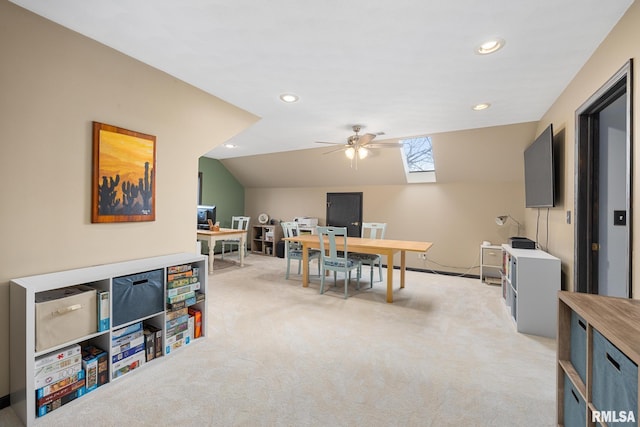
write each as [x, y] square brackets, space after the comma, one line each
[306, 225]
[305, 221]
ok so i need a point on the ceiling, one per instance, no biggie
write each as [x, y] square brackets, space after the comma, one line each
[403, 67]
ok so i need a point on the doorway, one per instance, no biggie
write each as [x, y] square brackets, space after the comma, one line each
[603, 189]
[345, 210]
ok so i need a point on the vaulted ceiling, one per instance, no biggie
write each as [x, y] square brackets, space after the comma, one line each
[403, 67]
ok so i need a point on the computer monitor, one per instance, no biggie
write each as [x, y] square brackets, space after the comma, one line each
[206, 213]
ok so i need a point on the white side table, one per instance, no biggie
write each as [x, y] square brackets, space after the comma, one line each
[490, 264]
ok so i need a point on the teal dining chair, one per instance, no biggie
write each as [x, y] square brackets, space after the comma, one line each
[293, 250]
[334, 260]
[372, 230]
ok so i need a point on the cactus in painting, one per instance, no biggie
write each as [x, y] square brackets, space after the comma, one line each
[107, 200]
[129, 195]
[145, 188]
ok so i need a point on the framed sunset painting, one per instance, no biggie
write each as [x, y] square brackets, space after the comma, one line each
[123, 185]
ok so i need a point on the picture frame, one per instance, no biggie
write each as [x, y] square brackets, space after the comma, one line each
[124, 169]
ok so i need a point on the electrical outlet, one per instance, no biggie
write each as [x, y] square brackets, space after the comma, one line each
[422, 256]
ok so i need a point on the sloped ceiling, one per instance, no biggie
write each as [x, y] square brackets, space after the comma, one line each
[486, 154]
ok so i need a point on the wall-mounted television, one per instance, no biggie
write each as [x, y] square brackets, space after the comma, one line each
[539, 172]
[206, 213]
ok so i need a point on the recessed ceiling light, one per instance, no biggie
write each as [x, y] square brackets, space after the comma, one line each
[480, 107]
[230, 145]
[289, 98]
[490, 46]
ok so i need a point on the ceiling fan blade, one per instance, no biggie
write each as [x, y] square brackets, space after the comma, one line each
[334, 150]
[331, 143]
[365, 139]
[383, 145]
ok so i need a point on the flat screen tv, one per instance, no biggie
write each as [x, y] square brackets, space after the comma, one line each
[206, 213]
[539, 172]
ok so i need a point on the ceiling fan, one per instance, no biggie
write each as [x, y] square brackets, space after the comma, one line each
[357, 146]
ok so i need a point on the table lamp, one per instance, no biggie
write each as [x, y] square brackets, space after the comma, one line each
[502, 220]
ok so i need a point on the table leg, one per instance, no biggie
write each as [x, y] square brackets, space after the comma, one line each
[212, 246]
[305, 266]
[403, 267]
[390, 277]
[243, 238]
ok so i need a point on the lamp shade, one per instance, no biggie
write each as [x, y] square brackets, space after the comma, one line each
[502, 219]
[350, 152]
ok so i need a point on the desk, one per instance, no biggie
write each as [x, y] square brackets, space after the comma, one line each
[211, 237]
[370, 246]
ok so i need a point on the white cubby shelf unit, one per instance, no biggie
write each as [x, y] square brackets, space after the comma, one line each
[22, 335]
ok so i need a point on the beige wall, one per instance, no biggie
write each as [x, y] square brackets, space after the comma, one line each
[53, 84]
[457, 217]
[620, 45]
[480, 176]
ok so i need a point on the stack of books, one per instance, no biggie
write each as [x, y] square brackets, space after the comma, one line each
[127, 349]
[183, 285]
[152, 342]
[59, 379]
[95, 362]
[177, 329]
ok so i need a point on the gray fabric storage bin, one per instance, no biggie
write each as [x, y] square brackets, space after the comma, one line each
[615, 379]
[575, 408]
[137, 296]
[579, 345]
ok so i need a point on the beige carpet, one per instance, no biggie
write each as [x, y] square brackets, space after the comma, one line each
[221, 264]
[445, 353]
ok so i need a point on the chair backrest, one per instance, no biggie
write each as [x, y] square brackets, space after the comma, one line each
[334, 235]
[240, 222]
[291, 229]
[373, 230]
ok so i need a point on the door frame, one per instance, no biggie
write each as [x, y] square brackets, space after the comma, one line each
[586, 178]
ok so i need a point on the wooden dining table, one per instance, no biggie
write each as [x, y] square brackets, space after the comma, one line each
[383, 247]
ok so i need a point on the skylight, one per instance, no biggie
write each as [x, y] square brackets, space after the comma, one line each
[417, 155]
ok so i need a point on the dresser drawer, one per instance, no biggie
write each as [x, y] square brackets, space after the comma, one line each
[492, 257]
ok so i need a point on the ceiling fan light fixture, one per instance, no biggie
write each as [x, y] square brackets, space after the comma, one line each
[350, 153]
[490, 46]
[289, 98]
[362, 153]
